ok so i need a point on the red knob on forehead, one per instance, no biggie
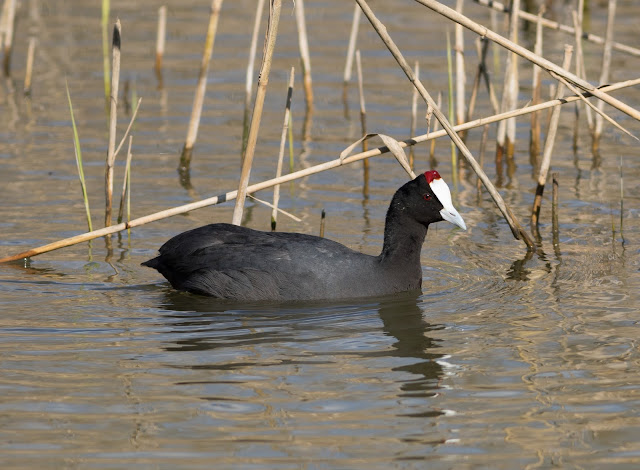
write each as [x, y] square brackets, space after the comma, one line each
[431, 175]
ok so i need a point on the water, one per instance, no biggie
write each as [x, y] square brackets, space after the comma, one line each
[505, 360]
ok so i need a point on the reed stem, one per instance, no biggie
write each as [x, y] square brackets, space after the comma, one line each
[363, 123]
[113, 117]
[606, 65]
[106, 66]
[29, 69]
[270, 42]
[198, 100]
[160, 42]
[548, 146]
[283, 139]
[283, 179]
[303, 43]
[516, 228]
[353, 38]
[79, 164]
[248, 91]
[530, 56]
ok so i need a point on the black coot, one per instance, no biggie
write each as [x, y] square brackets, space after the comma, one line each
[232, 262]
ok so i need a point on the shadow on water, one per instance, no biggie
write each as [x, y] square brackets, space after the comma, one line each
[199, 323]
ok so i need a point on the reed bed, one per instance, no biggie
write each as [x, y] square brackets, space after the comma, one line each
[575, 82]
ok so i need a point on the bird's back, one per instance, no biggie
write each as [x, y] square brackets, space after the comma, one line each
[228, 261]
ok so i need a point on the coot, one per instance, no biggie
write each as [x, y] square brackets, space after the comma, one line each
[231, 262]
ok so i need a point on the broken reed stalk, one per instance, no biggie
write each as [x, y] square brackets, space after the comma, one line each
[530, 56]
[497, 6]
[201, 88]
[160, 42]
[554, 210]
[303, 43]
[534, 132]
[363, 122]
[506, 133]
[269, 45]
[323, 217]
[126, 186]
[283, 139]
[351, 49]
[9, 15]
[290, 177]
[29, 69]
[248, 90]
[460, 72]
[106, 66]
[548, 146]
[517, 230]
[113, 112]
[604, 71]
[79, 164]
[414, 113]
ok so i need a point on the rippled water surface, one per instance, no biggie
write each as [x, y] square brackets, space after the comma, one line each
[504, 360]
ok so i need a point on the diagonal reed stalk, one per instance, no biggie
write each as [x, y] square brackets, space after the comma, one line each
[115, 80]
[516, 229]
[269, 45]
[79, 164]
[126, 187]
[283, 138]
[292, 176]
[530, 56]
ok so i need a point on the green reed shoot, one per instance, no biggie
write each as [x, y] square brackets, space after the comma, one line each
[76, 146]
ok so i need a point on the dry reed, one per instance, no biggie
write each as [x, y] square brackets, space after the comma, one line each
[506, 133]
[201, 88]
[548, 146]
[604, 70]
[363, 123]
[534, 131]
[9, 18]
[270, 42]
[290, 177]
[126, 187]
[517, 230]
[351, 48]
[160, 42]
[29, 69]
[248, 90]
[497, 6]
[106, 66]
[460, 71]
[283, 138]
[530, 56]
[303, 43]
[414, 114]
[115, 81]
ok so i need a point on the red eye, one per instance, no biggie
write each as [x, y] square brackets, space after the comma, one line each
[426, 197]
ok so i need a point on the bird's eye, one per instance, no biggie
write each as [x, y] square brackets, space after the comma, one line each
[426, 197]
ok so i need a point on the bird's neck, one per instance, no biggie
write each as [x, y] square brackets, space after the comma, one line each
[403, 238]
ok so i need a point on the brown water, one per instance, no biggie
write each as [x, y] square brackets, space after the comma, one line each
[504, 361]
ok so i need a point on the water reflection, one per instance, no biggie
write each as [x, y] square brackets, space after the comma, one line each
[203, 324]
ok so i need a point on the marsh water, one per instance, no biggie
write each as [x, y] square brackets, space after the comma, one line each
[504, 360]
